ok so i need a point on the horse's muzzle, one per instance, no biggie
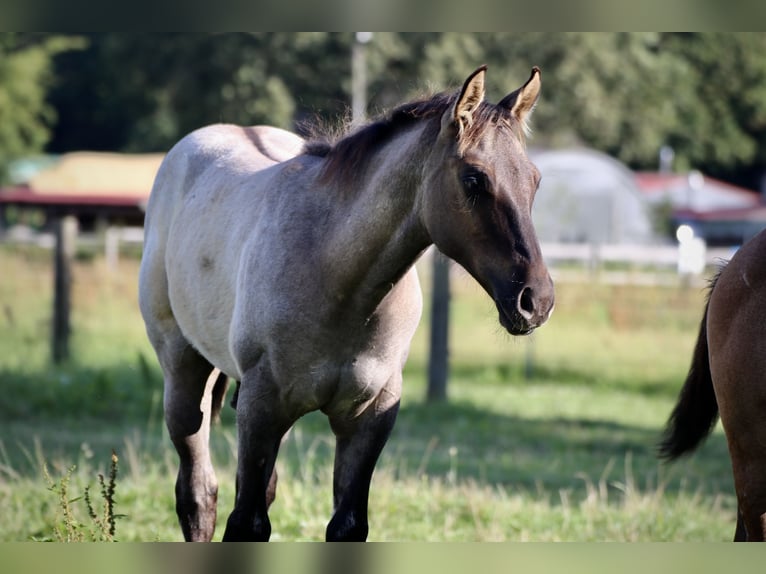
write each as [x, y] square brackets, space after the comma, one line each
[528, 309]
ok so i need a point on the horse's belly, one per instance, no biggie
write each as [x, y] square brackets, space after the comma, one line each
[205, 324]
[202, 300]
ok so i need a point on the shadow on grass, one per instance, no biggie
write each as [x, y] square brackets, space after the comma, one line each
[125, 391]
[456, 441]
[541, 374]
[459, 442]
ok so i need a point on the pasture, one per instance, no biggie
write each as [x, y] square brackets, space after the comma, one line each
[567, 453]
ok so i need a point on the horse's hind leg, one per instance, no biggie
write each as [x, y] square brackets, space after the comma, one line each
[358, 447]
[751, 518]
[190, 386]
[745, 439]
[750, 483]
[740, 534]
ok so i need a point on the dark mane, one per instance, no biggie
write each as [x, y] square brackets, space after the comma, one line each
[347, 155]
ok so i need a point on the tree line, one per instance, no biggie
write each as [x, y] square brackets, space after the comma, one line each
[627, 94]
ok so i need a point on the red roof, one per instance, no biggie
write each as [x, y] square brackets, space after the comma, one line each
[743, 214]
[656, 182]
[17, 195]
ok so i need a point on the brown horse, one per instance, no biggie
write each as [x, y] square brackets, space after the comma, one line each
[292, 272]
[728, 375]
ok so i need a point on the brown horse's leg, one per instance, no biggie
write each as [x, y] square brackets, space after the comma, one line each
[358, 446]
[261, 424]
[751, 525]
[189, 384]
[740, 534]
[751, 497]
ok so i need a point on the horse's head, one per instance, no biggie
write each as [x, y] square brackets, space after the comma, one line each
[477, 200]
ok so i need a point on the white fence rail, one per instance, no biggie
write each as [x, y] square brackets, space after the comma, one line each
[626, 264]
[112, 239]
[638, 255]
[637, 262]
[114, 236]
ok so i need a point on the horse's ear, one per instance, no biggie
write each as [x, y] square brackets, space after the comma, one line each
[471, 96]
[522, 101]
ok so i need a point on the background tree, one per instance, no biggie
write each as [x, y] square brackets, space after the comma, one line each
[626, 94]
[722, 127]
[25, 77]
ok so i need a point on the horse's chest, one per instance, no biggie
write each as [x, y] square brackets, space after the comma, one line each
[330, 382]
[326, 355]
[337, 370]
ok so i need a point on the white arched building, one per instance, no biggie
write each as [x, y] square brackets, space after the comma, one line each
[586, 196]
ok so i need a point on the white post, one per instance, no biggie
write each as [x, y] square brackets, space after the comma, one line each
[359, 77]
[111, 247]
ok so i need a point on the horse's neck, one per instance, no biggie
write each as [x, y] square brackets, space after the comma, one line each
[380, 234]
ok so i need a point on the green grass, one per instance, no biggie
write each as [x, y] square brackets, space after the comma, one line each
[550, 437]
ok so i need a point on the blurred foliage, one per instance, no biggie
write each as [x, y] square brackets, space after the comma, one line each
[26, 118]
[623, 93]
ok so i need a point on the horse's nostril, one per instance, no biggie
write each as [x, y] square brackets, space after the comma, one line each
[526, 305]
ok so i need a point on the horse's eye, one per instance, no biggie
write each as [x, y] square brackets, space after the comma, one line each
[474, 182]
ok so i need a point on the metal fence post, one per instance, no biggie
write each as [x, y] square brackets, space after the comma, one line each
[438, 360]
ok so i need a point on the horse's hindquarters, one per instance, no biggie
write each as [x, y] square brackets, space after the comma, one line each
[737, 349]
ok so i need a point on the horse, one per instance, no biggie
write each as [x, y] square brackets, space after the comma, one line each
[727, 378]
[288, 266]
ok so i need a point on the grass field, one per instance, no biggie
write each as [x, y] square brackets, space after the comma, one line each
[567, 453]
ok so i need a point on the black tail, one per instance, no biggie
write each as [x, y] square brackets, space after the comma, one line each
[696, 412]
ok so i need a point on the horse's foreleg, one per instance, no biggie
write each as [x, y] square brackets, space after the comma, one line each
[188, 404]
[358, 447]
[261, 425]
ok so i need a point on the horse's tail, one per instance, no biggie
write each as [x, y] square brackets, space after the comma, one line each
[220, 387]
[696, 412]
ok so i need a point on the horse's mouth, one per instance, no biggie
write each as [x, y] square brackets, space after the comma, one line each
[513, 322]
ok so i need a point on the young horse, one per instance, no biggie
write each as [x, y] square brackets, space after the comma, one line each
[728, 374]
[296, 279]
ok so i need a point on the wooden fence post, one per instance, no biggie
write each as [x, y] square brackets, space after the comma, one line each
[438, 359]
[66, 238]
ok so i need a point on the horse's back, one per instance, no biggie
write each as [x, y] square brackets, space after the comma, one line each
[206, 159]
